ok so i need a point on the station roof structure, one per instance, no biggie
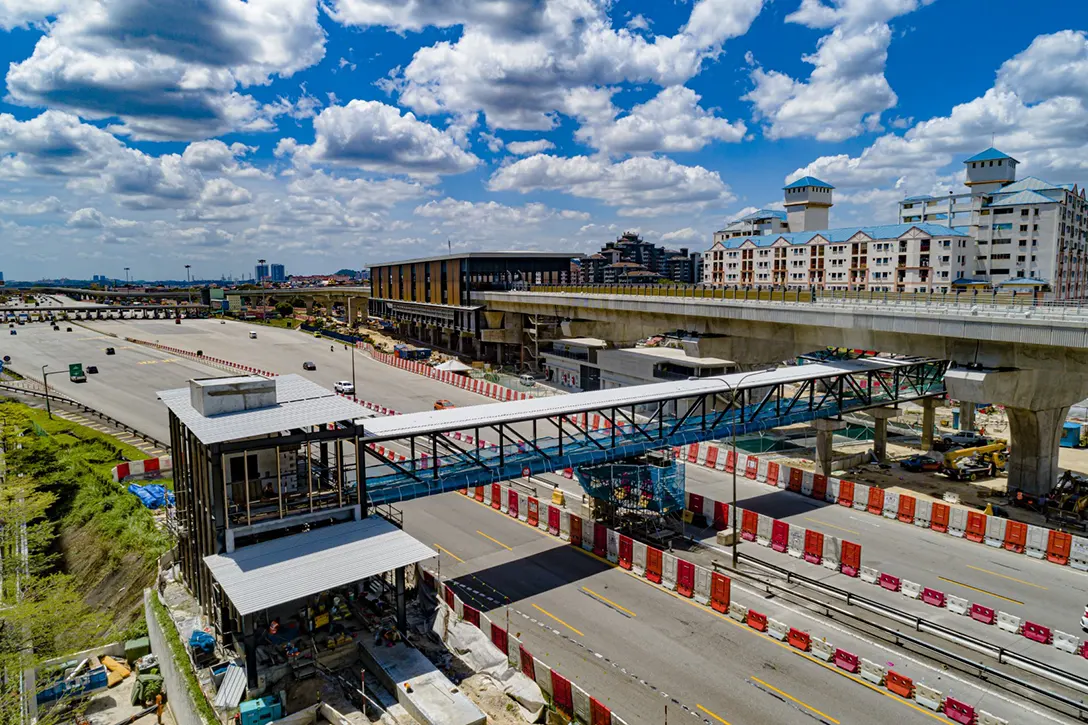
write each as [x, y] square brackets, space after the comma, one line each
[513, 254]
[275, 572]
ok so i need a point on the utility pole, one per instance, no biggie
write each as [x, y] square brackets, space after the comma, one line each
[189, 282]
[126, 276]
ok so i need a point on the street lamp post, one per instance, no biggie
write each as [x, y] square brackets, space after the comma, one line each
[189, 283]
[126, 276]
[45, 382]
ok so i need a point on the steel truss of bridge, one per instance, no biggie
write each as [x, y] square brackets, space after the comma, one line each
[444, 451]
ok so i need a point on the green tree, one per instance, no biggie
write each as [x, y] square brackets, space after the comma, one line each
[284, 309]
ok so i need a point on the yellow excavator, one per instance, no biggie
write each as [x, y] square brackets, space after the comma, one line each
[967, 464]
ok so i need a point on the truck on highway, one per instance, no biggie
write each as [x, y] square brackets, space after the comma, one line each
[76, 374]
[407, 352]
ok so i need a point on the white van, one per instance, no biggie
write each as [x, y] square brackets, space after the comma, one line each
[527, 380]
[252, 335]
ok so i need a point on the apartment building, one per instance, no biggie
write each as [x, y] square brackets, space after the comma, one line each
[632, 260]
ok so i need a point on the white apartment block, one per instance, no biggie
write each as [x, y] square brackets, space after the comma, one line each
[1016, 235]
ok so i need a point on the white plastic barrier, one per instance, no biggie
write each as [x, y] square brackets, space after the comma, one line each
[822, 650]
[761, 470]
[564, 525]
[581, 704]
[523, 507]
[613, 551]
[957, 521]
[738, 612]
[513, 651]
[543, 675]
[891, 504]
[638, 558]
[831, 553]
[1008, 622]
[873, 672]
[1078, 553]
[861, 496]
[909, 589]
[985, 718]
[796, 543]
[542, 516]
[995, 531]
[708, 511]
[701, 592]
[668, 571]
[1066, 642]
[783, 476]
[832, 493]
[777, 629]
[487, 495]
[1036, 542]
[870, 575]
[458, 607]
[587, 534]
[742, 464]
[504, 501]
[723, 456]
[763, 530]
[923, 511]
[928, 697]
[700, 457]
[807, 482]
[958, 605]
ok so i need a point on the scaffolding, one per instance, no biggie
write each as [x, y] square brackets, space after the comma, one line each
[645, 485]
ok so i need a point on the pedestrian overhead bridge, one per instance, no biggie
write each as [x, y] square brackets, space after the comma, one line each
[443, 450]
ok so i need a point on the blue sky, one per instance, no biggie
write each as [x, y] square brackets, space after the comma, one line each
[336, 133]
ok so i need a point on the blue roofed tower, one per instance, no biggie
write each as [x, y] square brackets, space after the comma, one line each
[989, 170]
[808, 204]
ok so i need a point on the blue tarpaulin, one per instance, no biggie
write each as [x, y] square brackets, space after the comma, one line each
[153, 495]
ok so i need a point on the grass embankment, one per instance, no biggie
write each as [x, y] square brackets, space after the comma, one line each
[103, 537]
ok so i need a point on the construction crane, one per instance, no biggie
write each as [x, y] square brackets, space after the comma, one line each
[967, 464]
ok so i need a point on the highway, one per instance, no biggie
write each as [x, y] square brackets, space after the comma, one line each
[686, 652]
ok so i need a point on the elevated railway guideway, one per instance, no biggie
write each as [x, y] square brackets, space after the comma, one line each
[556, 433]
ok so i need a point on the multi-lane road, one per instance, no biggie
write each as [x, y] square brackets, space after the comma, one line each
[641, 647]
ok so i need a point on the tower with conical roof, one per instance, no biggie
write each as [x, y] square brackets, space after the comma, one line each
[808, 204]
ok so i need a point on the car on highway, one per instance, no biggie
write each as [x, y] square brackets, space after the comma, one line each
[1084, 619]
[443, 405]
[309, 365]
[527, 380]
[345, 387]
[92, 370]
[963, 439]
[252, 334]
[110, 351]
[919, 463]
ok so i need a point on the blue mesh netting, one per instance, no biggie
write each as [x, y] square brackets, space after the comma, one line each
[639, 486]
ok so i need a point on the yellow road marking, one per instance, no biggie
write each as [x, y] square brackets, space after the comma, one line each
[489, 538]
[606, 600]
[734, 623]
[791, 698]
[447, 552]
[983, 591]
[1006, 576]
[720, 719]
[545, 611]
[840, 528]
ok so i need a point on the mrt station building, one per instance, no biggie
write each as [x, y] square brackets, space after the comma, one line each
[269, 507]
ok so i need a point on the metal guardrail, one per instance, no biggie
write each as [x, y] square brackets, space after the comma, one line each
[921, 625]
[87, 409]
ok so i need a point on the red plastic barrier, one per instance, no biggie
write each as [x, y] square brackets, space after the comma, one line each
[900, 685]
[600, 540]
[695, 504]
[799, 640]
[527, 667]
[599, 714]
[685, 578]
[151, 465]
[939, 518]
[850, 558]
[533, 511]
[933, 597]
[562, 695]
[479, 493]
[846, 493]
[797, 477]
[889, 582]
[720, 588]
[1016, 536]
[757, 621]
[496, 496]
[1084, 649]
[772, 473]
[982, 614]
[819, 486]
[627, 549]
[814, 546]
[123, 471]
[1037, 632]
[575, 530]
[553, 520]
[976, 526]
[472, 615]
[653, 564]
[876, 500]
[498, 637]
[907, 505]
[1058, 546]
[846, 660]
[721, 516]
[512, 508]
[730, 461]
[780, 535]
[960, 712]
[711, 456]
[749, 523]
[449, 595]
[752, 468]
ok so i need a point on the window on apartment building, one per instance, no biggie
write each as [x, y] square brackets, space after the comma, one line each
[944, 274]
[1023, 227]
[999, 271]
[1036, 211]
[1034, 227]
[1020, 258]
[961, 260]
[1000, 256]
[1023, 212]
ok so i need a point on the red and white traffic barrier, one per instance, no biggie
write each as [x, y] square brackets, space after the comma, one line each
[149, 467]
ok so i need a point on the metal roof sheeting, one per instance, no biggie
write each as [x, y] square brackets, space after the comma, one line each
[1022, 198]
[843, 234]
[808, 181]
[990, 154]
[232, 688]
[299, 403]
[1028, 183]
[284, 570]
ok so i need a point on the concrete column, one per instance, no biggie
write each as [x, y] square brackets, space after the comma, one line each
[929, 418]
[880, 436]
[402, 614]
[1033, 461]
[825, 432]
[967, 415]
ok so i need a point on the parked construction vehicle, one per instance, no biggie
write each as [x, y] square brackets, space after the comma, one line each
[967, 464]
[1067, 502]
